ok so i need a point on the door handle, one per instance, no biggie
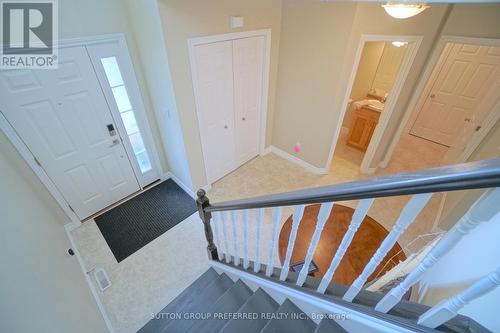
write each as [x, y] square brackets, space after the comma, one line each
[243, 118]
[114, 143]
[225, 126]
[432, 96]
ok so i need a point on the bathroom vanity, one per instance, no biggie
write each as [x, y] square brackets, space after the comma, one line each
[363, 126]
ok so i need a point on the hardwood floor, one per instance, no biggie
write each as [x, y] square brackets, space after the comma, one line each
[363, 246]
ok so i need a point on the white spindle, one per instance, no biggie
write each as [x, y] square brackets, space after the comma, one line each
[218, 238]
[277, 212]
[297, 217]
[234, 220]
[407, 216]
[483, 210]
[260, 218]
[447, 309]
[224, 232]
[357, 219]
[324, 213]
[245, 239]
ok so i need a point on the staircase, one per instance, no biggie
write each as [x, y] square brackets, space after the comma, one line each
[214, 295]
[277, 299]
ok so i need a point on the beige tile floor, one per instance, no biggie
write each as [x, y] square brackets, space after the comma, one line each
[145, 282]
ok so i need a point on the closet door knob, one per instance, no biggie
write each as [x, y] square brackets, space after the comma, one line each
[225, 126]
[243, 118]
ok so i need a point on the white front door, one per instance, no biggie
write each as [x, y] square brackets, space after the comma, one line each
[63, 118]
[459, 96]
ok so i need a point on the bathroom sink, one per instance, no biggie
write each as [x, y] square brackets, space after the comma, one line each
[375, 105]
[372, 104]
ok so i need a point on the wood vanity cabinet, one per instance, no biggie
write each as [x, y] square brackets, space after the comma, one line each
[362, 128]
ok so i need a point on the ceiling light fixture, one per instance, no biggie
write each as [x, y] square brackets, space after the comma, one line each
[404, 10]
[399, 44]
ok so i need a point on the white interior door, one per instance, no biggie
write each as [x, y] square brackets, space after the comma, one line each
[62, 117]
[213, 83]
[248, 64]
[228, 79]
[458, 99]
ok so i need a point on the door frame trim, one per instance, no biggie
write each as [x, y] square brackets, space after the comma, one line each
[407, 62]
[424, 85]
[28, 156]
[266, 33]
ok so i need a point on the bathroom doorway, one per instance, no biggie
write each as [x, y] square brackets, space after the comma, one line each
[380, 69]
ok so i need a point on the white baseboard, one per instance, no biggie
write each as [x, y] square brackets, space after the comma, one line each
[69, 227]
[169, 175]
[309, 167]
[207, 187]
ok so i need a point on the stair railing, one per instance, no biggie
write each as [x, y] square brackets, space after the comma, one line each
[420, 184]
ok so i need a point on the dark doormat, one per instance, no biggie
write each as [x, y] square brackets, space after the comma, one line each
[136, 222]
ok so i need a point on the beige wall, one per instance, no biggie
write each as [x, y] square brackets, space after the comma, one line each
[318, 46]
[457, 203]
[474, 20]
[312, 51]
[183, 19]
[42, 288]
[148, 36]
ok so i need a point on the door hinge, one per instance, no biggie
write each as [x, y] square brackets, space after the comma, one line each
[37, 161]
[71, 208]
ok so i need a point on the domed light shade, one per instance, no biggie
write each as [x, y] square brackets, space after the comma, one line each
[404, 10]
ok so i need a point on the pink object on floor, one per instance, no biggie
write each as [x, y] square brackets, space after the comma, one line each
[297, 147]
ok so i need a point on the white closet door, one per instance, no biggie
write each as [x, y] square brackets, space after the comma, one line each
[248, 62]
[63, 118]
[213, 84]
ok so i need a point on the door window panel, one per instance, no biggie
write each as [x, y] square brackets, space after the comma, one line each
[112, 71]
[130, 122]
[122, 100]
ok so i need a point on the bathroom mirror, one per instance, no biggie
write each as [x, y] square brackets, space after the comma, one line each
[388, 67]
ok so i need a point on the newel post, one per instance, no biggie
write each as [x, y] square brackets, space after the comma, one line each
[202, 202]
